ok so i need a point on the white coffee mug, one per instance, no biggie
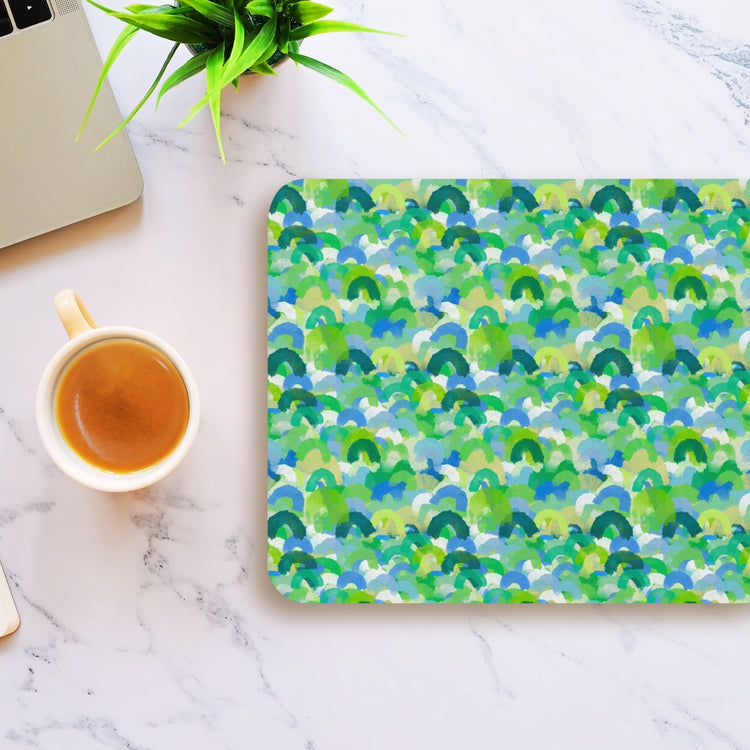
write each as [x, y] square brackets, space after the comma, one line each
[85, 334]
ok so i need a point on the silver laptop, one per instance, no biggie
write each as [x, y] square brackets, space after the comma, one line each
[49, 65]
[9, 620]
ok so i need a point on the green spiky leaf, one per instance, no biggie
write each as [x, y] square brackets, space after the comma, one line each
[213, 11]
[117, 47]
[138, 106]
[307, 11]
[169, 25]
[187, 70]
[250, 56]
[327, 27]
[253, 52]
[341, 78]
[238, 44]
[261, 8]
[263, 68]
[214, 66]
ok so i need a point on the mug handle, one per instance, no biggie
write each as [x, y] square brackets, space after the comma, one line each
[74, 315]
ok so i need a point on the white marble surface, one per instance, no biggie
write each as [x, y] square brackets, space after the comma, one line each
[147, 619]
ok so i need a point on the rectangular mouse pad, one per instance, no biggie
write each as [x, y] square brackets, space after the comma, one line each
[509, 390]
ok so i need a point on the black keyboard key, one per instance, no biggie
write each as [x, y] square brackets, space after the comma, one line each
[5, 25]
[29, 12]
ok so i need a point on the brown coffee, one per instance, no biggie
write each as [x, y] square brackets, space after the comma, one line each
[122, 405]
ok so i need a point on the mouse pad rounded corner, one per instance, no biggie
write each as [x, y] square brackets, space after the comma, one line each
[491, 390]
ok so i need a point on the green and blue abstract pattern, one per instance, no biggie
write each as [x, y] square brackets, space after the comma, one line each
[509, 391]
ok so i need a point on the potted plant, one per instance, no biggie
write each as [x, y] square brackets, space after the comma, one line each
[227, 39]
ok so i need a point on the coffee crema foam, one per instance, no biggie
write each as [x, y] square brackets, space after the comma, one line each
[122, 405]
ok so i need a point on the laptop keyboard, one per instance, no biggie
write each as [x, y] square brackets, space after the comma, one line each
[5, 25]
[24, 13]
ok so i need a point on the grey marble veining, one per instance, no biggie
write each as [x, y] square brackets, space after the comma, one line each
[725, 56]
